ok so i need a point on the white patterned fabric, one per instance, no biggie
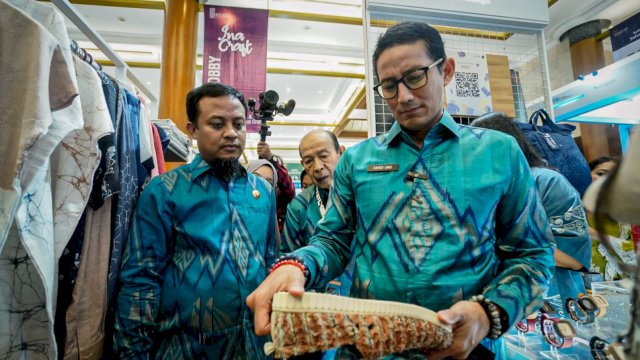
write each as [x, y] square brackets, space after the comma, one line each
[77, 158]
[37, 80]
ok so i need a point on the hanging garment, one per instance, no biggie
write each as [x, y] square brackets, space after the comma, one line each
[75, 161]
[126, 199]
[146, 138]
[38, 81]
[106, 180]
[78, 172]
[85, 317]
[160, 168]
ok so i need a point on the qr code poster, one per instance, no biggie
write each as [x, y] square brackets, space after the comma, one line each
[468, 93]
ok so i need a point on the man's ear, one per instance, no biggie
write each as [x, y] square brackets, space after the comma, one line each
[342, 149]
[191, 128]
[448, 70]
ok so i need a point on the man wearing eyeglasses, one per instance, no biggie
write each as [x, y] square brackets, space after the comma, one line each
[445, 216]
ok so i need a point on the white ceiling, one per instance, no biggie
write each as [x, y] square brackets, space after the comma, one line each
[136, 34]
[566, 14]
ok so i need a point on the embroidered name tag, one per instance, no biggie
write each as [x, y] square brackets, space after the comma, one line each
[382, 168]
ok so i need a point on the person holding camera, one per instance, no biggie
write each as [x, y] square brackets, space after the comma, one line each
[285, 189]
[202, 238]
[444, 216]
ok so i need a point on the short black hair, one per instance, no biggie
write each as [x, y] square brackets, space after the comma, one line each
[303, 173]
[408, 33]
[331, 135]
[210, 90]
[503, 123]
[601, 160]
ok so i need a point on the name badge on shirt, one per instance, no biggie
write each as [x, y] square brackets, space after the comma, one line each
[382, 168]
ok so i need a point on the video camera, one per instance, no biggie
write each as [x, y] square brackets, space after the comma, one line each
[269, 108]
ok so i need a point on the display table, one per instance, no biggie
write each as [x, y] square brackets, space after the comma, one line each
[533, 345]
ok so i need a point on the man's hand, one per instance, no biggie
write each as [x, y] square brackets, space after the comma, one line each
[470, 325]
[285, 278]
[264, 152]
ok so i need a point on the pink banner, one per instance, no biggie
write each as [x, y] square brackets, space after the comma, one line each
[235, 50]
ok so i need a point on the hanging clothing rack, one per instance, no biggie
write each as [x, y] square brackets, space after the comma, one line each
[123, 71]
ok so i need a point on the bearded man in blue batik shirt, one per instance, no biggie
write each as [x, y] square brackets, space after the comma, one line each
[441, 212]
[202, 238]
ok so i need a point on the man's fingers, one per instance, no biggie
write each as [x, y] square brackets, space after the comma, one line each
[449, 317]
[287, 278]
[297, 288]
[251, 299]
[262, 321]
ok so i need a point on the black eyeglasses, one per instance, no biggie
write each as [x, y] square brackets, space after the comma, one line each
[413, 80]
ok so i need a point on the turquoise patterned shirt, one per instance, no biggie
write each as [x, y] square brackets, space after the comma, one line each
[472, 224]
[303, 214]
[198, 247]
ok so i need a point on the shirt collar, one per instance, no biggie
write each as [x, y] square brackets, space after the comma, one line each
[200, 167]
[446, 125]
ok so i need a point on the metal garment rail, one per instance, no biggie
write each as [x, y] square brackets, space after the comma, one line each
[123, 71]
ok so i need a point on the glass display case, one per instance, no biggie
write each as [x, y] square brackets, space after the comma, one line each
[610, 320]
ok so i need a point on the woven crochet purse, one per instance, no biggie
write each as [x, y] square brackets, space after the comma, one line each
[318, 322]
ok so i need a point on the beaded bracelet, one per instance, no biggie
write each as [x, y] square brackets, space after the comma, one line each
[290, 259]
[495, 319]
[287, 262]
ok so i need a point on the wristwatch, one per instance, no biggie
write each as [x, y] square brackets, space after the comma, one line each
[598, 348]
[600, 302]
[526, 325]
[589, 306]
[578, 313]
[558, 333]
[602, 350]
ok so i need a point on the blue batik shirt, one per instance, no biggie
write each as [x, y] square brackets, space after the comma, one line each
[303, 214]
[198, 247]
[568, 223]
[471, 224]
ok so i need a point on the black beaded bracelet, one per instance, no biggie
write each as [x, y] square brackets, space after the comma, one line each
[299, 260]
[493, 312]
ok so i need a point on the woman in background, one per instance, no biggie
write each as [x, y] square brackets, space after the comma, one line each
[265, 170]
[305, 179]
[605, 260]
[601, 166]
[564, 209]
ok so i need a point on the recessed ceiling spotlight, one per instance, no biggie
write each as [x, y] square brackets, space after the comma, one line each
[319, 91]
[288, 89]
[307, 27]
[122, 18]
[148, 82]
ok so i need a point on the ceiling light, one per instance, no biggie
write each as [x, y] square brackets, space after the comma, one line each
[288, 89]
[148, 82]
[319, 91]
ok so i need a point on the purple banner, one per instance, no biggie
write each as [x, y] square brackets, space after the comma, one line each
[235, 50]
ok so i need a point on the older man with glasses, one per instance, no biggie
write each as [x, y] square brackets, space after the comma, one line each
[444, 216]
